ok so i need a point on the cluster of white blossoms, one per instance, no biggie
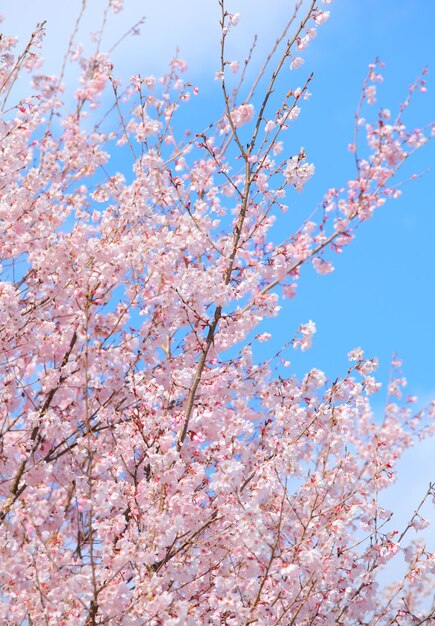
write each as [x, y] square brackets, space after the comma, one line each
[297, 171]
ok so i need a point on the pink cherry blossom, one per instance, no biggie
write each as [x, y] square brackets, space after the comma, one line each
[161, 461]
[296, 63]
[321, 17]
[242, 114]
[321, 266]
[307, 331]
[357, 354]
[297, 172]
[270, 125]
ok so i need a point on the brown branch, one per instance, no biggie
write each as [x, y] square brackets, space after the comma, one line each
[15, 490]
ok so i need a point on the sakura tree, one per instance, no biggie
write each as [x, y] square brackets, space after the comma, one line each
[153, 472]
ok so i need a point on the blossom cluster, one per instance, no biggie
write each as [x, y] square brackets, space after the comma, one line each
[154, 470]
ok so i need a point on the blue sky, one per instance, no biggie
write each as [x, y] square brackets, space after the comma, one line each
[382, 294]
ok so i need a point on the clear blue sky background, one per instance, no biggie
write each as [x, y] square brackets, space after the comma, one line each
[382, 295]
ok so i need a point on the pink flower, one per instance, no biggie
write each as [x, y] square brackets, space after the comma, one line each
[242, 114]
[296, 63]
[371, 385]
[307, 331]
[234, 18]
[357, 354]
[116, 5]
[297, 172]
[321, 266]
[277, 148]
[370, 94]
[419, 523]
[304, 41]
[321, 17]
[264, 337]
[149, 81]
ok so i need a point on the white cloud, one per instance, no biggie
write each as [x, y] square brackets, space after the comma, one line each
[191, 25]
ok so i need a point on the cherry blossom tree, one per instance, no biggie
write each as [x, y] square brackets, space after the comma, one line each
[153, 472]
